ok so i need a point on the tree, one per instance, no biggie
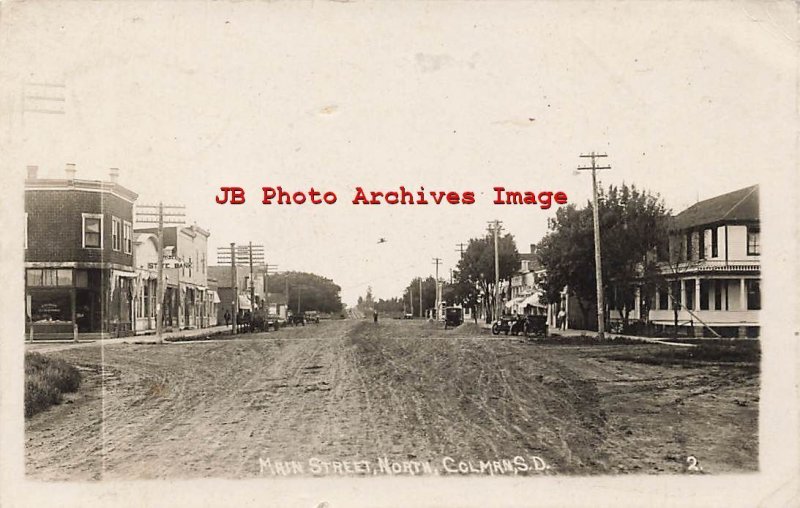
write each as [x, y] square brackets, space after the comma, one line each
[633, 226]
[476, 268]
[312, 291]
[428, 295]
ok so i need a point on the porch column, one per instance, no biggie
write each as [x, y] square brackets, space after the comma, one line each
[742, 295]
[697, 293]
[669, 296]
[683, 293]
[637, 304]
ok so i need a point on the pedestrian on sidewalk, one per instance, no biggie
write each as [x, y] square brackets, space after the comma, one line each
[227, 317]
[374, 316]
[561, 320]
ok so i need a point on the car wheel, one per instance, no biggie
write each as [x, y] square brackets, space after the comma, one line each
[495, 330]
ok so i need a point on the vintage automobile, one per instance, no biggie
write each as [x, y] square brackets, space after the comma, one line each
[513, 325]
[296, 319]
[535, 326]
[311, 316]
[453, 316]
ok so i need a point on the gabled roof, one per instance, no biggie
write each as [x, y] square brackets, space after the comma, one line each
[737, 206]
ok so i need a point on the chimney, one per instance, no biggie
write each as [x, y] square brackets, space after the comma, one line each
[533, 248]
[113, 174]
[33, 172]
[70, 171]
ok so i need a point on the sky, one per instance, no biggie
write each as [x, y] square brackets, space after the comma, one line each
[689, 100]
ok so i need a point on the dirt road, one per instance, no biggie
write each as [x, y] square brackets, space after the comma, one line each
[400, 397]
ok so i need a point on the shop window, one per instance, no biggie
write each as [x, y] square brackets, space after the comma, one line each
[81, 279]
[34, 278]
[753, 241]
[92, 231]
[49, 277]
[64, 277]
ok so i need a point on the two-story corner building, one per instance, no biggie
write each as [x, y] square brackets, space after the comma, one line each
[186, 295]
[713, 273]
[78, 253]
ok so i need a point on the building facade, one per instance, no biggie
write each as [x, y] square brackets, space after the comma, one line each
[188, 300]
[713, 275]
[78, 254]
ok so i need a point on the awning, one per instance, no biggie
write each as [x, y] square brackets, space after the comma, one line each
[216, 297]
[514, 301]
[532, 300]
[244, 302]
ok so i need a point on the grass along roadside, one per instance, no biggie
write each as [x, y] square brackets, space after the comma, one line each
[46, 379]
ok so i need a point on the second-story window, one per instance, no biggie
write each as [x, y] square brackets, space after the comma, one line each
[92, 230]
[116, 233]
[714, 243]
[126, 237]
[689, 246]
[753, 241]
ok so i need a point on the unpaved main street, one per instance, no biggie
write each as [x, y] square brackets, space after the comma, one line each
[351, 391]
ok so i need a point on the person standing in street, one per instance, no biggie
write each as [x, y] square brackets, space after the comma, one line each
[374, 316]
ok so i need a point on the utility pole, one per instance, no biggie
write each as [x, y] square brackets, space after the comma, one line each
[420, 297]
[243, 255]
[235, 288]
[436, 261]
[267, 270]
[494, 228]
[156, 214]
[598, 268]
[461, 248]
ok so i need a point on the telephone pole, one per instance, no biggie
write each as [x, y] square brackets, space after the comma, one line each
[494, 227]
[160, 214]
[461, 248]
[601, 321]
[437, 261]
[242, 255]
[420, 297]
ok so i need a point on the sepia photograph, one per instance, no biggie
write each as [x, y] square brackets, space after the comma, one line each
[453, 253]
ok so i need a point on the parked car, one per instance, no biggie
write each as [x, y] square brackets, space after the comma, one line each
[311, 316]
[296, 319]
[535, 326]
[453, 316]
[509, 324]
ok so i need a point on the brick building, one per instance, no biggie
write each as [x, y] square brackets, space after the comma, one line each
[78, 254]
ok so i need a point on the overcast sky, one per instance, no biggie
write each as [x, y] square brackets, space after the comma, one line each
[689, 100]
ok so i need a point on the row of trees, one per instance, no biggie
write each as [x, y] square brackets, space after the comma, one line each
[634, 232]
[311, 291]
[634, 237]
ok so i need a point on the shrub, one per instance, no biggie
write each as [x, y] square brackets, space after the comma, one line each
[46, 379]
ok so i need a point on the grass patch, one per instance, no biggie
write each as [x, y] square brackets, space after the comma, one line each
[46, 379]
[584, 340]
[706, 351]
